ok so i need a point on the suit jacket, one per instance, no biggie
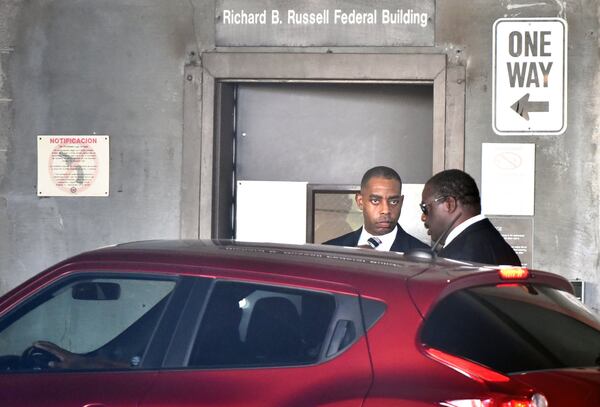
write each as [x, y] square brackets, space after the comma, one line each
[482, 243]
[403, 242]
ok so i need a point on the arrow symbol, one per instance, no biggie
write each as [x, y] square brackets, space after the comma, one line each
[523, 107]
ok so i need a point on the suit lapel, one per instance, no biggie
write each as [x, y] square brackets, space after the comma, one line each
[354, 237]
[397, 245]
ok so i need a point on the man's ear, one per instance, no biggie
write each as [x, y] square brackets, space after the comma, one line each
[359, 200]
[401, 201]
[451, 204]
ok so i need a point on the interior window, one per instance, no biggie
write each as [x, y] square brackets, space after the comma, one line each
[84, 323]
[258, 325]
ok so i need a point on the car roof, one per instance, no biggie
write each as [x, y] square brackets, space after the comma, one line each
[241, 255]
[372, 273]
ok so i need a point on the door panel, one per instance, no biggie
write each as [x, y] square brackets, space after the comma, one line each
[110, 389]
[341, 382]
[331, 133]
[80, 341]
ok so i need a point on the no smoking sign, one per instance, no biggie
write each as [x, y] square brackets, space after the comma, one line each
[530, 76]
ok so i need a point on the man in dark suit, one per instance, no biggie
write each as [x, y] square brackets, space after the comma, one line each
[380, 199]
[451, 204]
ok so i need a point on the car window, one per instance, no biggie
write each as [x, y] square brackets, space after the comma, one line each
[259, 325]
[89, 322]
[515, 328]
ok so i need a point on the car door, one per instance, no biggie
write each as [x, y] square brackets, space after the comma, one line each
[255, 344]
[98, 389]
[88, 339]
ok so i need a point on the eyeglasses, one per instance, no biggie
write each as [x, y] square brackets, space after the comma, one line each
[425, 206]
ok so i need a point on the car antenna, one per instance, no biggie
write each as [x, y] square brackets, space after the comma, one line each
[430, 254]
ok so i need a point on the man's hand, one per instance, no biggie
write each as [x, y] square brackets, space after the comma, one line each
[70, 360]
[66, 359]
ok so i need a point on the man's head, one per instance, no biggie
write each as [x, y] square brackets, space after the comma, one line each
[448, 195]
[380, 199]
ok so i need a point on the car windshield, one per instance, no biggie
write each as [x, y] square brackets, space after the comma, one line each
[515, 328]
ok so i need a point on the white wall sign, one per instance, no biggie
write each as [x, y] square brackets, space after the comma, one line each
[530, 76]
[271, 211]
[518, 233]
[73, 165]
[507, 178]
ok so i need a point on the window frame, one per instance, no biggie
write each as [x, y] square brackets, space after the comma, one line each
[347, 307]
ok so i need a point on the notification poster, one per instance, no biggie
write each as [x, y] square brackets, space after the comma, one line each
[73, 165]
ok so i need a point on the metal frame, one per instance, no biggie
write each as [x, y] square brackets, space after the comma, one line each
[201, 94]
[311, 191]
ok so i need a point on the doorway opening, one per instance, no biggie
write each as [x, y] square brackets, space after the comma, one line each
[274, 97]
[285, 136]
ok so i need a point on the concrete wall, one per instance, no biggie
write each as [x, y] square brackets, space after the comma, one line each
[116, 67]
[85, 67]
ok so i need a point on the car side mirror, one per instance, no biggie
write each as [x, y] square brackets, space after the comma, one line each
[96, 291]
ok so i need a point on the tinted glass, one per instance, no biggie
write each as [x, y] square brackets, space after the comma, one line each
[61, 328]
[258, 325]
[515, 328]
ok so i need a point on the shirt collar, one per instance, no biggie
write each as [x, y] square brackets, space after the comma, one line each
[387, 240]
[458, 229]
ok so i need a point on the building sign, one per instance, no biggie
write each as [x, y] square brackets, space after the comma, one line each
[325, 23]
[518, 233]
[73, 165]
[530, 76]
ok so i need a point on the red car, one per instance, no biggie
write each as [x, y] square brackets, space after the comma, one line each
[209, 323]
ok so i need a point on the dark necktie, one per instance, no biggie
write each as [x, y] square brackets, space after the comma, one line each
[374, 241]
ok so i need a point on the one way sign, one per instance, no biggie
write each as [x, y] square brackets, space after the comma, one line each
[530, 76]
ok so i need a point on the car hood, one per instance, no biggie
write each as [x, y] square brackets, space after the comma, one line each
[565, 387]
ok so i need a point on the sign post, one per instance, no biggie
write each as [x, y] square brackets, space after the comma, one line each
[530, 76]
